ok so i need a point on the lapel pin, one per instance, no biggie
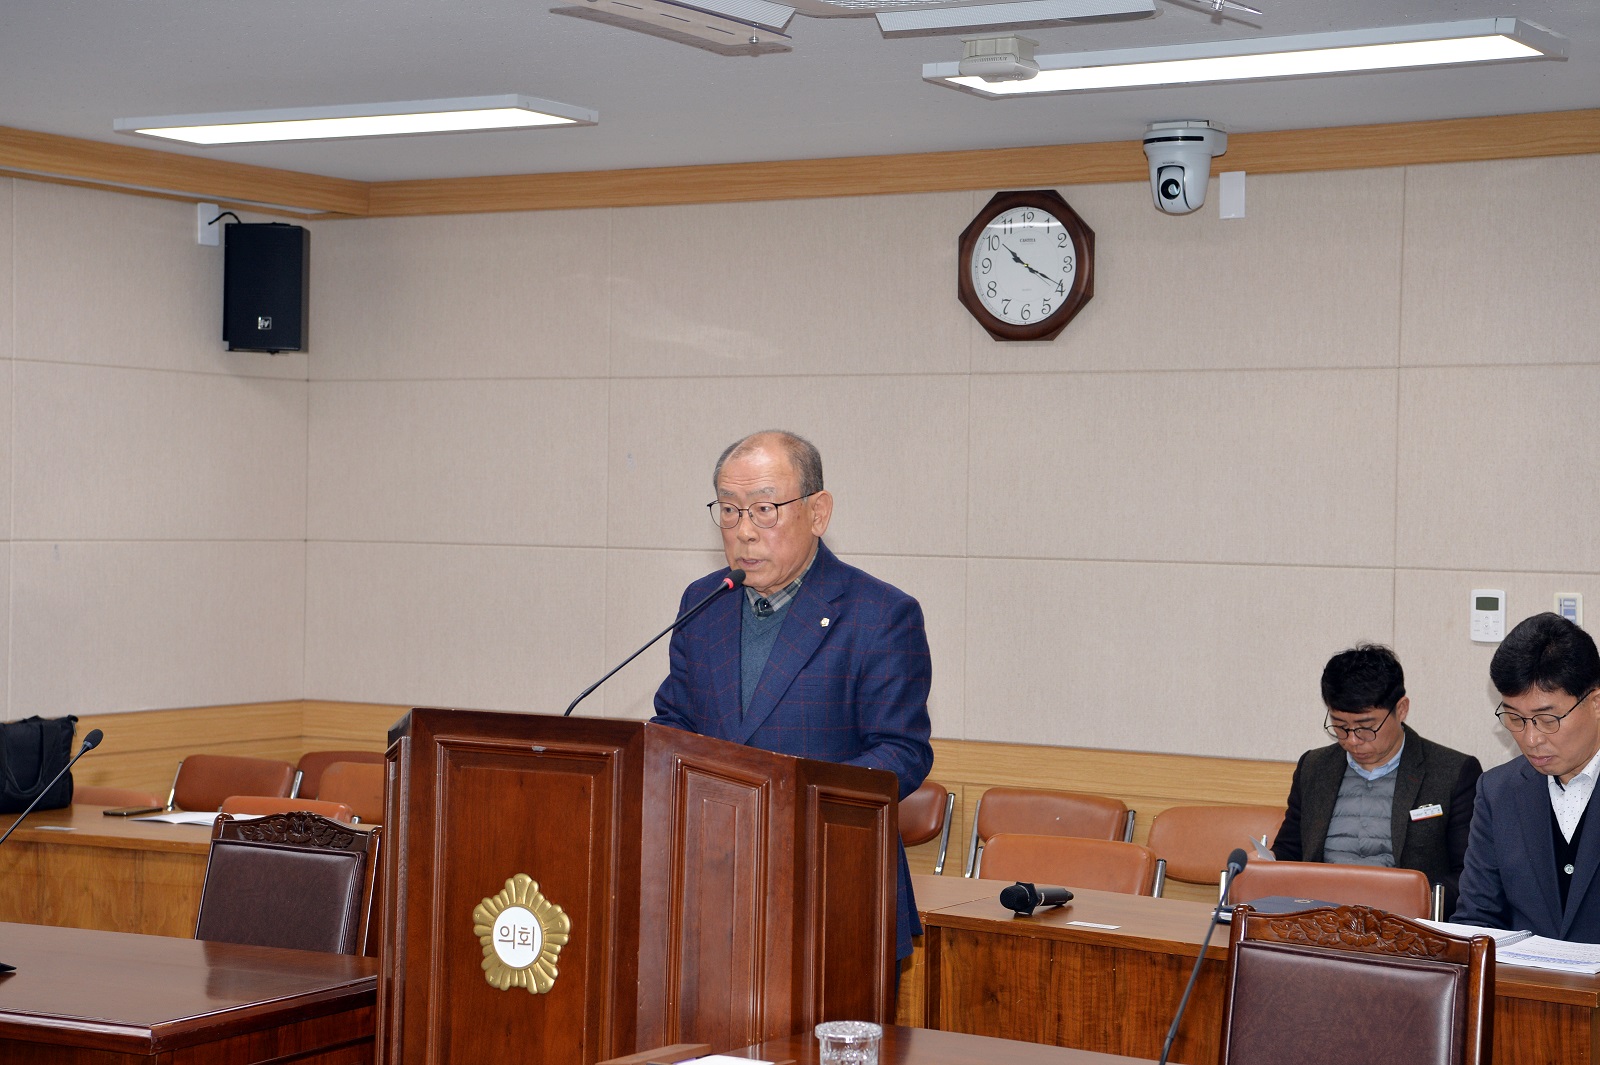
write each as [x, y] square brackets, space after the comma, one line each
[824, 622]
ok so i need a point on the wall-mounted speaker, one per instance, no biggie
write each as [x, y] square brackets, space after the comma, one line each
[265, 277]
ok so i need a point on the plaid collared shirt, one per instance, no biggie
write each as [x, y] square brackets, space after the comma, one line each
[783, 598]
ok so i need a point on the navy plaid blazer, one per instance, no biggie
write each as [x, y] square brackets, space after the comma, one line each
[847, 682]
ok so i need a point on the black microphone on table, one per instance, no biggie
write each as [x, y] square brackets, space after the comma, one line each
[90, 742]
[1022, 898]
[734, 579]
[1236, 864]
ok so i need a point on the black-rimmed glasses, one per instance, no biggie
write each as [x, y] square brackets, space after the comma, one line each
[1546, 723]
[762, 515]
[1359, 734]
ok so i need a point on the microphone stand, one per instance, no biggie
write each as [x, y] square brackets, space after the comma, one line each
[1236, 863]
[733, 580]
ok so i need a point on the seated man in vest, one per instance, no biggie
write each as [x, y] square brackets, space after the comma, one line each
[1381, 794]
[1532, 857]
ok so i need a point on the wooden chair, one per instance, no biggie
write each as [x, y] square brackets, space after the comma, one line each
[94, 795]
[1401, 891]
[1353, 984]
[314, 763]
[925, 816]
[1195, 841]
[291, 880]
[204, 780]
[266, 805]
[1046, 813]
[1070, 861]
[359, 785]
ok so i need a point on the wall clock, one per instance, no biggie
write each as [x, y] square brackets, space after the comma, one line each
[1026, 265]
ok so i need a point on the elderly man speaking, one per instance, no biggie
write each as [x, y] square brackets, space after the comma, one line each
[817, 659]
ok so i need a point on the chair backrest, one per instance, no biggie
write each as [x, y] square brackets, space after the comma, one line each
[1037, 812]
[291, 880]
[93, 795]
[359, 785]
[1195, 841]
[1335, 986]
[1401, 891]
[204, 780]
[314, 763]
[265, 805]
[1070, 861]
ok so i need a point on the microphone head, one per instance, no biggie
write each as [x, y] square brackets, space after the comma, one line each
[1237, 860]
[1020, 898]
[92, 740]
[735, 578]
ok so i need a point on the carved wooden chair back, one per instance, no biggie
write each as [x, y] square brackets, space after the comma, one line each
[291, 880]
[1340, 984]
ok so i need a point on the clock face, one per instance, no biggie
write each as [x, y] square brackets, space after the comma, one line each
[1026, 265]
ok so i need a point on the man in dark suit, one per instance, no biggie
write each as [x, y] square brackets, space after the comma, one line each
[817, 658]
[1381, 795]
[1532, 858]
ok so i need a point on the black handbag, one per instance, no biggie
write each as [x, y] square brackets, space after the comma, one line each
[32, 751]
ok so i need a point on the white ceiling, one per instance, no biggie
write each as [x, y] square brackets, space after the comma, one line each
[73, 66]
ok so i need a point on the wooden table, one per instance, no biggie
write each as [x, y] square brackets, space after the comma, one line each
[920, 1046]
[77, 868]
[1056, 978]
[110, 998]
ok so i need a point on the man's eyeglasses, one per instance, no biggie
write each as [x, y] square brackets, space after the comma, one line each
[762, 515]
[1546, 723]
[1359, 734]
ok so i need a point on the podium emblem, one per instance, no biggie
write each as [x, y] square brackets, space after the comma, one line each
[522, 932]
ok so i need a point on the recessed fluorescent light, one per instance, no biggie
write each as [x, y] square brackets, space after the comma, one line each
[1389, 48]
[361, 120]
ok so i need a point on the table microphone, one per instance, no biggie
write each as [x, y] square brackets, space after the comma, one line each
[1236, 864]
[1022, 899]
[90, 742]
[733, 580]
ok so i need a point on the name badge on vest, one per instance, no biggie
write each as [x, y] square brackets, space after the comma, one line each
[1422, 813]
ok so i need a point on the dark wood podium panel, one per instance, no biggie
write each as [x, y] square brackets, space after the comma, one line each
[111, 998]
[1106, 971]
[716, 893]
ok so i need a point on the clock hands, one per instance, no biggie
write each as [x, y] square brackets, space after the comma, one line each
[1018, 260]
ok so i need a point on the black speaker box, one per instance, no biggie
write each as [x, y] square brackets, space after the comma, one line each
[265, 274]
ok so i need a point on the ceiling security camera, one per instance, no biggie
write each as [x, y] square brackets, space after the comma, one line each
[1180, 162]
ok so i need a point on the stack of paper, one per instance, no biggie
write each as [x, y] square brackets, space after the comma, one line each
[1542, 953]
[1502, 937]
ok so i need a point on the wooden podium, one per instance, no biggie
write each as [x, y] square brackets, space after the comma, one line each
[716, 893]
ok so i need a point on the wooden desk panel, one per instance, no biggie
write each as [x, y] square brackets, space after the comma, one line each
[933, 893]
[1115, 989]
[77, 868]
[82, 996]
[921, 1046]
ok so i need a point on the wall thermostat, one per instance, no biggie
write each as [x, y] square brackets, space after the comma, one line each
[1570, 606]
[1488, 615]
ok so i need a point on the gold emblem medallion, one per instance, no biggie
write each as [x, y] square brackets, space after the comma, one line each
[521, 932]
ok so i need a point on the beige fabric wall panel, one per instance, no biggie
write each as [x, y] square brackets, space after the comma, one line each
[839, 286]
[120, 281]
[462, 462]
[490, 296]
[104, 627]
[1192, 659]
[517, 628]
[1307, 279]
[104, 453]
[894, 455]
[1501, 262]
[1447, 675]
[1253, 466]
[8, 307]
[1497, 468]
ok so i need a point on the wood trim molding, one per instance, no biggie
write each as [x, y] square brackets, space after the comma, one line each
[49, 157]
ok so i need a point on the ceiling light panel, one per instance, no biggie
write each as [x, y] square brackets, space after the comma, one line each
[342, 122]
[1389, 48]
[1018, 14]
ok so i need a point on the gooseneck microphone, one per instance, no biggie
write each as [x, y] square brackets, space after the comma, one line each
[733, 580]
[1022, 899]
[1236, 864]
[90, 742]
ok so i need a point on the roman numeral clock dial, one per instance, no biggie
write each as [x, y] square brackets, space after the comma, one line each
[1026, 265]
